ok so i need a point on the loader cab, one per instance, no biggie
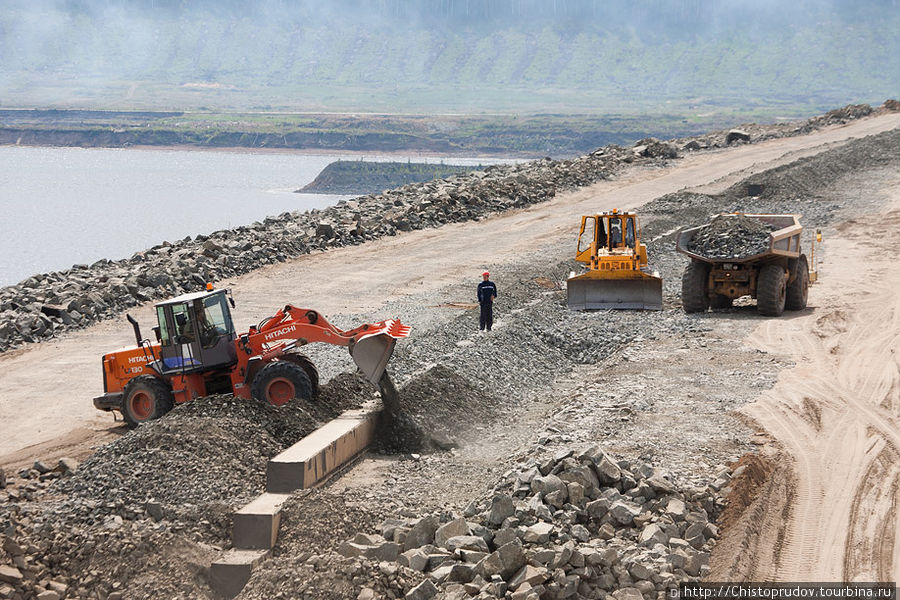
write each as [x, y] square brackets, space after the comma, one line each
[196, 333]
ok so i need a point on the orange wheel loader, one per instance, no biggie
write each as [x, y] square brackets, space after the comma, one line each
[198, 352]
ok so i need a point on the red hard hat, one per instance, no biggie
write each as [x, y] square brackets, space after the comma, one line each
[485, 274]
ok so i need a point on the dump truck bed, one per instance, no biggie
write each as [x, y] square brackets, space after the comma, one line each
[784, 241]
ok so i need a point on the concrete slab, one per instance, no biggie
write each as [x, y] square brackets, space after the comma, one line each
[255, 526]
[229, 574]
[323, 451]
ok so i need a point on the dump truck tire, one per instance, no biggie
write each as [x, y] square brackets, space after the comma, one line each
[798, 290]
[720, 301]
[146, 398]
[694, 298]
[307, 365]
[281, 381]
[771, 291]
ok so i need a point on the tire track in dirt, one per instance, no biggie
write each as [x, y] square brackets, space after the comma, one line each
[829, 513]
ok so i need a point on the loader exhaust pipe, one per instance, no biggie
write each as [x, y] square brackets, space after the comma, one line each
[137, 328]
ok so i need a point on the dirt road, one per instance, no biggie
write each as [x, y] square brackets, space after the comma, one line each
[46, 410]
[829, 511]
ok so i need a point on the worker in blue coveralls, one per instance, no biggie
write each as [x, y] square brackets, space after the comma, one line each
[487, 291]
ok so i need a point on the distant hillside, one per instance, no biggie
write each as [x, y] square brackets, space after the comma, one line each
[363, 177]
[532, 56]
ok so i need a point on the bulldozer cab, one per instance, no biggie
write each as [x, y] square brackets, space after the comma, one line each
[195, 332]
[605, 234]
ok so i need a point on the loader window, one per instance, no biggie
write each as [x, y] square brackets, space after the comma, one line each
[164, 337]
[183, 326]
[629, 232]
[215, 319]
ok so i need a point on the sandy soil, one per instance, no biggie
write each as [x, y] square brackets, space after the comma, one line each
[828, 513]
[48, 387]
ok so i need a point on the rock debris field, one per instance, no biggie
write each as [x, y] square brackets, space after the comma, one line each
[540, 475]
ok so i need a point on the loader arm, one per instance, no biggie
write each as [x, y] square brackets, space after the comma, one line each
[371, 344]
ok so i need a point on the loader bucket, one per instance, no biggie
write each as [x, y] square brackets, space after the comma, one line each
[372, 352]
[596, 290]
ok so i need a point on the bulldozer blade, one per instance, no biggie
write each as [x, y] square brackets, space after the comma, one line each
[644, 293]
[372, 352]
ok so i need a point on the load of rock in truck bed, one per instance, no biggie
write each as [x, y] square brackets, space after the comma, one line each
[731, 236]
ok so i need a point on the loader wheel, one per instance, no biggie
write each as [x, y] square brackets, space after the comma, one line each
[146, 398]
[279, 382]
[771, 291]
[798, 290]
[720, 301]
[693, 287]
[307, 365]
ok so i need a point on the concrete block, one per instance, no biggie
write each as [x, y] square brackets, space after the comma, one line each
[256, 525]
[322, 452]
[229, 574]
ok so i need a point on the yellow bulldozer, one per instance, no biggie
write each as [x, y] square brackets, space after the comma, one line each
[617, 275]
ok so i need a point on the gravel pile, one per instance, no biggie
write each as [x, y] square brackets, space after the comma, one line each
[153, 508]
[731, 236]
[578, 523]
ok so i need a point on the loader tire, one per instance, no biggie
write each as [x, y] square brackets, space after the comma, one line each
[771, 291]
[693, 287]
[281, 381]
[307, 365]
[798, 290]
[720, 301]
[146, 398]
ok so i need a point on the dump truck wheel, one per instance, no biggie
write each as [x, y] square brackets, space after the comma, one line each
[146, 398]
[693, 287]
[307, 365]
[771, 291]
[281, 381]
[798, 290]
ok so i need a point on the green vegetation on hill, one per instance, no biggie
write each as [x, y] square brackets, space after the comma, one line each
[511, 56]
[364, 177]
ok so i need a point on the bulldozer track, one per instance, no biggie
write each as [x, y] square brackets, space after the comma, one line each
[835, 421]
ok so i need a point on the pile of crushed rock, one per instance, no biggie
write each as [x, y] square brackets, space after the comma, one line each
[731, 236]
[579, 523]
[155, 502]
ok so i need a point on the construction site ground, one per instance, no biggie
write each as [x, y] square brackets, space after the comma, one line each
[814, 394]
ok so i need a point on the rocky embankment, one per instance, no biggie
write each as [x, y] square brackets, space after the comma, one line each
[579, 524]
[366, 177]
[44, 305]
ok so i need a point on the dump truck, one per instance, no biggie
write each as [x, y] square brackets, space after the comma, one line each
[775, 272]
[617, 274]
[198, 352]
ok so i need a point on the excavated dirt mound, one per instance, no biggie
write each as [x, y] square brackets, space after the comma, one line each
[442, 399]
[428, 411]
[731, 236]
[218, 444]
[144, 509]
[343, 392]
